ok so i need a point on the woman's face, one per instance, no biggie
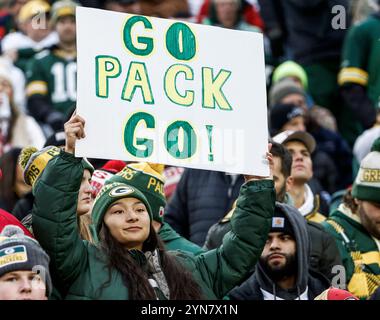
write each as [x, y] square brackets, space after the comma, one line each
[128, 221]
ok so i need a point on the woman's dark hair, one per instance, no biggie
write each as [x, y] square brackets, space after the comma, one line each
[181, 284]
[8, 165]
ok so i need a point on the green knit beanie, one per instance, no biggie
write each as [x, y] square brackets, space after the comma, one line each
[146, 177]
[290, 69]
[108, 195]
[367, 183]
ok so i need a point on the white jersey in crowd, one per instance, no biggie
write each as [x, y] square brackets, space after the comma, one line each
[16, 76]
[18, 40]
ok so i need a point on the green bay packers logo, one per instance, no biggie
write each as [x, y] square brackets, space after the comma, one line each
[121, 191]
[11, 255]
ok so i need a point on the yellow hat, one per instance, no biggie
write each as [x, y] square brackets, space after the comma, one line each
[62, 8]
[34, 161]
[31, 9]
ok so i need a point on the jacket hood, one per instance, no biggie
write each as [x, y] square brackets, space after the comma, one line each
[302, 239]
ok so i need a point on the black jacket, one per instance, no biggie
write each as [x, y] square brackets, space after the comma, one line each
[201, 199]
[305, 279]
[324, 253]
[250, 290]
[23, 206]
[305, 26]
[338, 151]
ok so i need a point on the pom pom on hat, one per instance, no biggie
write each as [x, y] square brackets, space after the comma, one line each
[10, 231]
[34, 162]
[25, 155]
[159, 168]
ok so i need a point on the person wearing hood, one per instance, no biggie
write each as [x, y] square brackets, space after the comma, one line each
[130, 261]
[282, 272]
[324, 253]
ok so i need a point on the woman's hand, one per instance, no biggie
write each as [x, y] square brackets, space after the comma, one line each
[269, 157]
[74, 129]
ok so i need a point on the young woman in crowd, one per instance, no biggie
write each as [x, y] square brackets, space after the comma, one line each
[130, 262]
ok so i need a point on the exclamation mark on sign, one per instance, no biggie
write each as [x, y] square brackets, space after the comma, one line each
[209, 133]
[180, 41]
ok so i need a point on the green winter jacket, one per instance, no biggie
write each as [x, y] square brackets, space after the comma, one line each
[79, 269]
[173, 241]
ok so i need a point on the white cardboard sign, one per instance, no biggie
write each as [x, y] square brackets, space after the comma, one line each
[171, 92]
